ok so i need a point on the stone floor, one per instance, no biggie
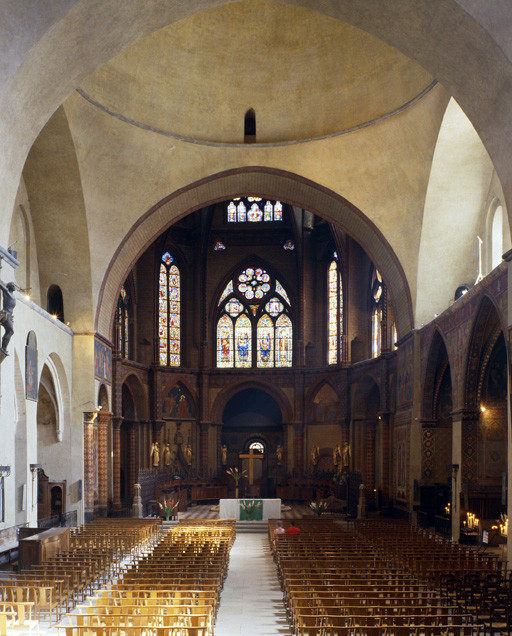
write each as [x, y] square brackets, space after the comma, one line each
[251, 603]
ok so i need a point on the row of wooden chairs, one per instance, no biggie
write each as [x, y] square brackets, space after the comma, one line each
[172, 589]
[341, 583]
[48, 590]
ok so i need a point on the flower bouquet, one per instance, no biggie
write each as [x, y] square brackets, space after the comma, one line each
[168, 507]
[250, 506]
[237, 475]
[319, 507]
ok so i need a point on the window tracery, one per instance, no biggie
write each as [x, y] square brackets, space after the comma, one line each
[254, 328]
[334, 312]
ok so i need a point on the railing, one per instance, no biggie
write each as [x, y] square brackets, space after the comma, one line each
[65, 520]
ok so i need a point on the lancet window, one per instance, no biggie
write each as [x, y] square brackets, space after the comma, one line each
[169, 312]
[377, 297]
[122, 321]
[334, 312]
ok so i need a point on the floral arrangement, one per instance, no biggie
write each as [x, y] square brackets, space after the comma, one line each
[319, 507]
[250, 507]
[168, 507]
[340, 477]
[236, 474]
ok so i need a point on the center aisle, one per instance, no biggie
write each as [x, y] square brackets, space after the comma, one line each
[251, 602]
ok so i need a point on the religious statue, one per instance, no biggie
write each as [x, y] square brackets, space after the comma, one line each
[224, 451]
[6, 317]
[315, 455]
[188, 453]
[336, 456]
[178, 436]
[279, 454]
[167, 455]
[347, 454]
[155, 455]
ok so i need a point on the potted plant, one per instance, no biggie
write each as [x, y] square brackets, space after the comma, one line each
[319, 507]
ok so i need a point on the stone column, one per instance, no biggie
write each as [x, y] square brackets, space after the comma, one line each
[88, 466]
[456, 473]
[370, 460]
[386, 455]
[116, 463]
[204, 428]
[132, 456]
[104, 420]
[298, 429]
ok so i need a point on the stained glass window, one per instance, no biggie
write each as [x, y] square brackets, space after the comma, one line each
[289, 245]
[243, 342]
[284, 340]
[377, 297]
[225, 342]
[265, 342]
[169, 312]
[253, 325]
[253, 210]
[219, 246]
[334, 313]
[123, 318]
[228, 290]
[376, 332]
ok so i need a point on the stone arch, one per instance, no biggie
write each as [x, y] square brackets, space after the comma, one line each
[226, 394]
[273, 184]
[139, 396]
[170, 400]
[488, 324]
[365, 388]
[437, 361]
[103, 398]
[58, 376]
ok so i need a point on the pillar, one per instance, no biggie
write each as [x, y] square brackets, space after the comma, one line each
[104, 420]
[370, 460]
[298, 430]
[88, 466]
[204, 428]
[456, 473]
[386, 455]
[116, 463]
[132, 456]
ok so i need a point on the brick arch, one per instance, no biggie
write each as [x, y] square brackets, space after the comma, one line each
[225, 395]
[362, 389]
[274, 184]
[487, 327]
[437, 355]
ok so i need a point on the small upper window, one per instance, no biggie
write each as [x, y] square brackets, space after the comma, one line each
[254, 210]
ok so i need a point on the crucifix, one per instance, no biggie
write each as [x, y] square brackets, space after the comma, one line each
[251, 456]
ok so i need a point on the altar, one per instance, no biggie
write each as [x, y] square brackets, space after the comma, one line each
[230, 508]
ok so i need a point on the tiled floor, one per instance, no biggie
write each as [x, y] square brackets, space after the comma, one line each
[251, 603]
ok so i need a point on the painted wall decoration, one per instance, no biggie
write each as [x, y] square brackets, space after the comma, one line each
[31, 377]
[325, 408]
[102, 361]
[176, 404]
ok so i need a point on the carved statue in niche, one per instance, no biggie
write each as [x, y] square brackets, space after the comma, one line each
[336, 456]
[6, 314]
[315, 455]
[224, 451]
[155, 455]
[188, 453]
[347, 454]
[279, 454]
[167, 455]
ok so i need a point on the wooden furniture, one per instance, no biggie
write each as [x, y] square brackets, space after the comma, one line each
[42, 546]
